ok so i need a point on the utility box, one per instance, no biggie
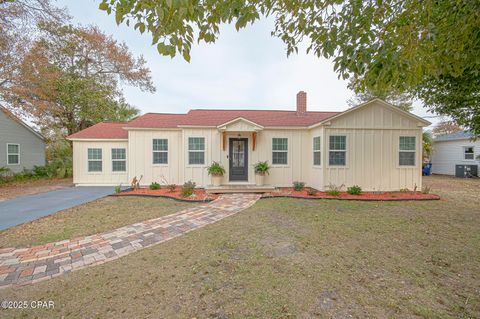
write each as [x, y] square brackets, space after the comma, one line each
[466, 170]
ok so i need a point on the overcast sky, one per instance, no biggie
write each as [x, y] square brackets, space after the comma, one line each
[247, 69]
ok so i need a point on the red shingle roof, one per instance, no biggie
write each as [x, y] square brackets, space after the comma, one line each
[103, 130]
[267, 118]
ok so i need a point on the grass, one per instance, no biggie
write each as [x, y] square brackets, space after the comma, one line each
[95, 217]
[289, 258]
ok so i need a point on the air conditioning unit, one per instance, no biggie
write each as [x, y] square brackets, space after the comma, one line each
[466, 170]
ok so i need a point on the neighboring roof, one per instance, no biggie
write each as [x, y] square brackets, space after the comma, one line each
[102, 130]
[199, 117]
[462, 135]
[19, 121]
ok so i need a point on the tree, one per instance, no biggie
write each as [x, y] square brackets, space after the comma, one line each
[401, 100]
[18, 21]
[409, 46]
[446, 127]
[70, 78]
[427, 144]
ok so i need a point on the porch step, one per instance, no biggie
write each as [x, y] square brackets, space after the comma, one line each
[222, 189]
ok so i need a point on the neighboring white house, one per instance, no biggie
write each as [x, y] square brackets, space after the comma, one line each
[375, 145]
[454, 149]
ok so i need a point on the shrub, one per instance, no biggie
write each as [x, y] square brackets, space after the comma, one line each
[334, 190]
[426, 190]
[311, 191]
[216, 169]
[298, 186]
[354, 190]
[118, 188]
[261, 168]
[171, 187]
[187, 188]
[154, 186]
[41, 171]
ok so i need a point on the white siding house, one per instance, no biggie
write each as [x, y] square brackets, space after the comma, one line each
[375, 145]
[454, 149]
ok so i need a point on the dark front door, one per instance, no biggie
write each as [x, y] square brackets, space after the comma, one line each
[238, 155]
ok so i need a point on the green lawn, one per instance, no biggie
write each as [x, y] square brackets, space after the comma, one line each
[291, 258]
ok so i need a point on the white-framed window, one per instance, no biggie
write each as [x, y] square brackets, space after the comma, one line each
[279, 151]
[407, 153]
[119, 160]
[160, 151]
[94, 159]
[196, 150]
[337, 155]
[13, 154]
[317, 154]
[468, 153]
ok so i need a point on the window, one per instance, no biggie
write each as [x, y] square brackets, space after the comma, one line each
[279, 151]
[407, 151]
[119, 160]
[196, 150]
[94, 159]
[337, 150]
[317, 159]
[13, 154]
[160, 151]
[468, 153]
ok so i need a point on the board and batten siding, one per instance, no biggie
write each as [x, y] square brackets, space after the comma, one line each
[82, 176]
[372, 160]
[32, 147]
[447, 154]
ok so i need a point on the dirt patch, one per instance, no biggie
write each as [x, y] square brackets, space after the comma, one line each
[16, 189]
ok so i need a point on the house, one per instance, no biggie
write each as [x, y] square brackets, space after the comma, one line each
[450, 150]
[21, 147]
[375, 145]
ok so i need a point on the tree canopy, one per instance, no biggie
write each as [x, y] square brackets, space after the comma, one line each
[426, 48]
[70, 78]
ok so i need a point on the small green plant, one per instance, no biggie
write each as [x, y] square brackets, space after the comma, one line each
[311, 191]
[298, 186]
[216, 169]
[261, 168]
[188, 188]
[404, 190]
[154, 186]
[334, 190]
[171, 187]
[426, 189]
[118, 188]
[354, 190]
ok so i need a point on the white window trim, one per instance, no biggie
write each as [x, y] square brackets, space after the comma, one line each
[317, 151]
[407, 151]
[284, 151]
[8, 162]
[345, 151]
[118, 160]
[468, 159]
[205, 160]
[162, 151]
[96, 160]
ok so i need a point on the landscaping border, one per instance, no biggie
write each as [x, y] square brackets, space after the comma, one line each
[161, 196]
[354, 199]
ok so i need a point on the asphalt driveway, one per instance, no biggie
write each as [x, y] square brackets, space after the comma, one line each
[27, 208]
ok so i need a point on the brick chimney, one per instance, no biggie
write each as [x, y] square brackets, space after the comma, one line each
[302, 103]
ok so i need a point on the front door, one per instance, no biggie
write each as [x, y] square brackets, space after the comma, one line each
[238, 155]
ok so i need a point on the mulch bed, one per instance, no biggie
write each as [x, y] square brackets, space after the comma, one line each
[199, 194]
[366, 196]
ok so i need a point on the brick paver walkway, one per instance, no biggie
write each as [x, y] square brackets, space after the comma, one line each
[30, 265]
